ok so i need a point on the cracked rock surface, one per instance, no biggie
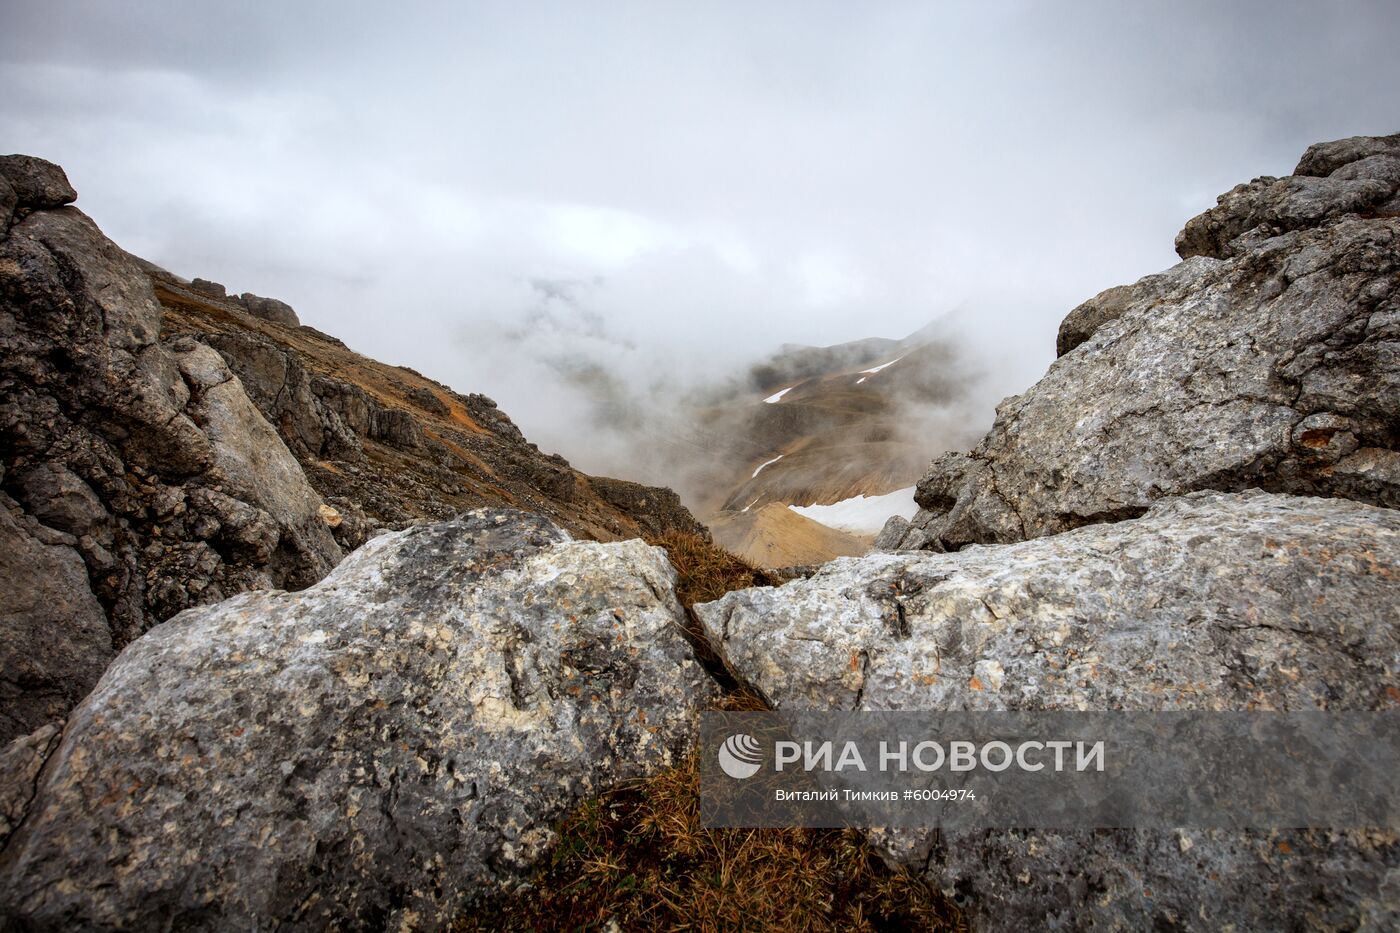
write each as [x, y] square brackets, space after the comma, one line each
[1210, 601]
[137, 477]
[364, 754]
[1270, 357]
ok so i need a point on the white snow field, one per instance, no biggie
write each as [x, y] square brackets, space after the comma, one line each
[863, 515]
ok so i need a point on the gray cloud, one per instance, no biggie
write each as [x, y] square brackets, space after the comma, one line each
[709, 180]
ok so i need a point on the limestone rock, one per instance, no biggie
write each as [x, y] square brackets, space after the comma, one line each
[207, 288]
[364, 754]
[37, 184]
[428, 400]
[656, 509]
[1109, 305]
[1271, 360]
[1322, 159]
[8, 202]
[1211, 601]
[54, 639]
[290, 397]
[1079, 325]
[1332, 180]
[396, 427]
[20, 763]
[255, 465]
[269, 309]
[139, 458]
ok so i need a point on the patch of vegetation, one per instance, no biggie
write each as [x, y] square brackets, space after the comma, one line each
[637, 858]
[707, 571]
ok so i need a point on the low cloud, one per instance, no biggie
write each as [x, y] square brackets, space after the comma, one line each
[591, 212]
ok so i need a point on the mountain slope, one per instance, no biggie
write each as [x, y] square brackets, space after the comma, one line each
[163, 446]
[389, 444]
[775, 536]
[828, 426]
[846, 431]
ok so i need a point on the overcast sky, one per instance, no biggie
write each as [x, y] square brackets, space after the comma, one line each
[696, 182]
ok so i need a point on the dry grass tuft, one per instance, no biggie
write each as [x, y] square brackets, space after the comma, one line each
[706, 570]
[640, 858]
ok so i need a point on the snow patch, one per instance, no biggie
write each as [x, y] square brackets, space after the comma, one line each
[760, 470]
[876, 369]
[777, 397]
[863, 515]
[755, 498]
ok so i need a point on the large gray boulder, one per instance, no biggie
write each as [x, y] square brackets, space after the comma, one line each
[1211, 601]
[365, 754]
[146, 480]
[37, 183]
[1324, 159]
[1270, 357]
[269, 309]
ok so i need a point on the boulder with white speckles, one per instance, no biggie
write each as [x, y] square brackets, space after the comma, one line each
[369, 753]
[1210, 601]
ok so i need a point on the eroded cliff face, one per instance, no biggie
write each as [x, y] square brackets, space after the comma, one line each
[163, 446]
[1270, 357]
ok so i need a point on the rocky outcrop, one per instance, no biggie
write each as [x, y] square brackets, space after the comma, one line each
[657, 509]
[207, 288]
[37, 185]
[138, 477]
[364, 754]
[386, 446]
[1332, 180]
[8, 202]
[1267, 358]
[269, 309]
[20, 764]
[313, 424]
[1174, 285]
[1256, 601]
